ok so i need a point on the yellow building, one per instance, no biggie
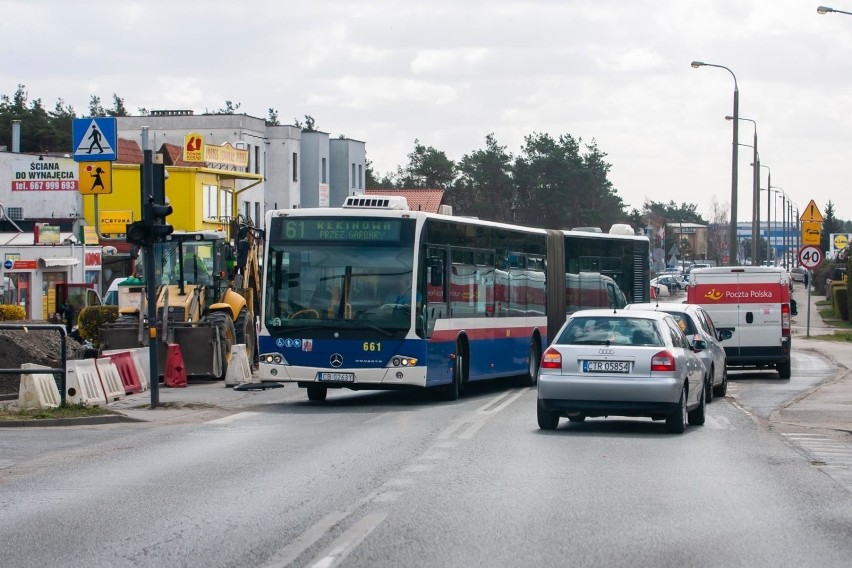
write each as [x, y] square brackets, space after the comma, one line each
[202, 198]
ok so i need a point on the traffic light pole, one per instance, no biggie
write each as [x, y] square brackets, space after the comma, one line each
[150, 276]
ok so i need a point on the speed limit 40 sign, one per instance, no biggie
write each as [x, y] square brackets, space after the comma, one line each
[810, 257]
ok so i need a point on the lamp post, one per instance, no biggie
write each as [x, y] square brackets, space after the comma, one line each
[768, 213]
[732, 232]
[755, 197]
[826, 10]
[779, 193]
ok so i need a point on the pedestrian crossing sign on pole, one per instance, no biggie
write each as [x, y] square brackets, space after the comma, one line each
[95, 139]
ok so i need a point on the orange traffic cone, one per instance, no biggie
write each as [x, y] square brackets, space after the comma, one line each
[175, 370]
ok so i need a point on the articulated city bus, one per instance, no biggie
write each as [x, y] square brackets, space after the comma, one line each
[375, 296]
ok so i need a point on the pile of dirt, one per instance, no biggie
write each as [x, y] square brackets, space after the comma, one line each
[31, 345]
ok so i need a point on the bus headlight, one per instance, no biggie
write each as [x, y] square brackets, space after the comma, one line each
[403, 362]
[273, 359]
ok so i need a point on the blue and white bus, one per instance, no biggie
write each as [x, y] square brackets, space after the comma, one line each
[375, 296]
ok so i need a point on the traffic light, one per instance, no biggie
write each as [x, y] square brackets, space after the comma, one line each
[138, 233]
[159, 228]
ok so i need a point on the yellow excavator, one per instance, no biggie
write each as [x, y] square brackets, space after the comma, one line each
[207, 300]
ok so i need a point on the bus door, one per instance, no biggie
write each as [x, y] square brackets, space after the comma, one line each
[437, 296]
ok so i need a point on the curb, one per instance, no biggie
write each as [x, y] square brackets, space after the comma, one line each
[85, 421]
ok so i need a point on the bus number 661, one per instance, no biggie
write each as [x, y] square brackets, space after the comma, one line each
[372, 346]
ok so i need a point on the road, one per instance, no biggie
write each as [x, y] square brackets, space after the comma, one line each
[391, 479]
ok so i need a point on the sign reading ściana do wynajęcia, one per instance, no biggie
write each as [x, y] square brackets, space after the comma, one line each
[44, 174]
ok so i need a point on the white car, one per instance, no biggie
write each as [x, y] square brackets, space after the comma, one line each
[622, 363]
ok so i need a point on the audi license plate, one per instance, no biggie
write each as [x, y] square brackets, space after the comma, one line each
[338, 377]
[606, 366]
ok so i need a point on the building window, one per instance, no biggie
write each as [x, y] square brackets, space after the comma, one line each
[257, 159]
[210, 201]
[360, 176]
[258, 220]
[225, 204]
[353, 176]
[247, 209]
[323, 171]
[295, 166]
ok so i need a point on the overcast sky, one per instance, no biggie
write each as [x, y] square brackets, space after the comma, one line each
[450, 72]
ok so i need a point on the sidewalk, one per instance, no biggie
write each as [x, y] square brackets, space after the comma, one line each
[828, 406]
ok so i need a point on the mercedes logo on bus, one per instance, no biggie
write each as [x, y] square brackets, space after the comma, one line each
[336, 360]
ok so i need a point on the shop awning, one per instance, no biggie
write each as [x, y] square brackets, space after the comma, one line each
[51, 262]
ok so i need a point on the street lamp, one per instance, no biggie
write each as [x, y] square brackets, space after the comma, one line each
[779, 192]
[732, 232]
[768, 213]
[755, 194]
[826, 10]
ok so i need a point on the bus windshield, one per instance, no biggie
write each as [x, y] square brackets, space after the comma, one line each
[338, 285]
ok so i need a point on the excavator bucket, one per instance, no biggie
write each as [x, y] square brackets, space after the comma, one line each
[202, 350]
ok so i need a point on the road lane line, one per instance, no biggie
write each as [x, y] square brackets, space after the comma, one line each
[348, 541]
[507, 402]
[301, 543]
[232, 418]
[492, 402]
[449, 430]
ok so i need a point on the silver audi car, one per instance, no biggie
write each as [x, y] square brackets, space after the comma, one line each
[622, 363]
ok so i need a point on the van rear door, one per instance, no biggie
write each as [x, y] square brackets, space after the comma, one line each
[761, 310]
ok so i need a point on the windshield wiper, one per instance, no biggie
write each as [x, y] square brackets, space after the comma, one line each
[361, 325]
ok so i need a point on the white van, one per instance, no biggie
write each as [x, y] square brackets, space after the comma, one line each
[753, 302]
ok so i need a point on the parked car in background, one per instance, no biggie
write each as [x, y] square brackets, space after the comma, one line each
[672, 282]
[797, 273]
[696, 322]
[621, 363]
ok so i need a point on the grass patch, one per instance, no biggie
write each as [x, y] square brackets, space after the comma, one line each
[9, 412]
[841, 336]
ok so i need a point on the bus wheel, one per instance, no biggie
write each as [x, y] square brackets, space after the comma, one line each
[531, 377]
[317, 393]
[452, 390]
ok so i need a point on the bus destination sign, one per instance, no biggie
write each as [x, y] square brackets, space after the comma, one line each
[330, 229]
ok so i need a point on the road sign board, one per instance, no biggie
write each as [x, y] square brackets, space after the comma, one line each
[810, 257]
[811, 213]
[95, 139]
[810, 232]
[95, 178]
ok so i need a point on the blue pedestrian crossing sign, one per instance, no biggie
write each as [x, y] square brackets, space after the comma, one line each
[95, 139]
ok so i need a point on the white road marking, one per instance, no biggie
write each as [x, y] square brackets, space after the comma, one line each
[289, 553]
[831, 456]
[346, 543]
[232, 418]
[507, 402]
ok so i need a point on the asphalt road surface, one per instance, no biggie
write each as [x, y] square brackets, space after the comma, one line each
[393, 479]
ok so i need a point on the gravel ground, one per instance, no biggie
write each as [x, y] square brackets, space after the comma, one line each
[39, 346]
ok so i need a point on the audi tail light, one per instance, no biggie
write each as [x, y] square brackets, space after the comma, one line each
[551, 359]
[663, 361]
[785, 320]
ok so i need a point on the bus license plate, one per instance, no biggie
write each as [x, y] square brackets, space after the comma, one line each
[338, 377]
[606, 366]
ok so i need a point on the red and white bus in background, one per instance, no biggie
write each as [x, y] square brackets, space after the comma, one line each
[486, 296]
[753, 302]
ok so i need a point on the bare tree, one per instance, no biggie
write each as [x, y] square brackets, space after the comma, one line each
[717, 232]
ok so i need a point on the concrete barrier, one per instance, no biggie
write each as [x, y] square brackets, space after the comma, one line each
[110, 379]
[239, 368]
[37, 390]
[82, 383]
